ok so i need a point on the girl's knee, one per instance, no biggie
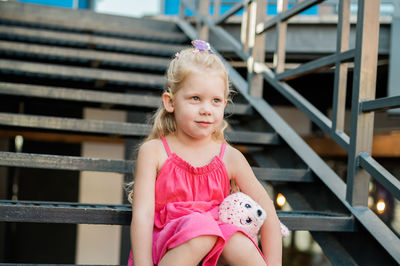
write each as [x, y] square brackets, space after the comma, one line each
[202, 243]
[190, 252]
[240, 250]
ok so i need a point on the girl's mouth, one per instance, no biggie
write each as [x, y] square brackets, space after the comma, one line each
[203, 123]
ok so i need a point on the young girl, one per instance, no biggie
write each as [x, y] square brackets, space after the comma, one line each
[183, 172]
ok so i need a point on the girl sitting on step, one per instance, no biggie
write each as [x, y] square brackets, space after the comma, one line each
[183, 172]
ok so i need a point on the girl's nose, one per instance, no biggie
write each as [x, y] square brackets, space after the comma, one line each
[205, 109]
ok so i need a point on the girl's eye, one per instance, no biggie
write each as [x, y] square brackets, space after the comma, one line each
[216, 100]
[196, 98]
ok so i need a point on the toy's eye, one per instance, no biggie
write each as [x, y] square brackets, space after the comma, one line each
[248, 206]
[249, 220]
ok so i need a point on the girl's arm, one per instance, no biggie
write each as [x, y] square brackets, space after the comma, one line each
[143, 205]
[271, 237]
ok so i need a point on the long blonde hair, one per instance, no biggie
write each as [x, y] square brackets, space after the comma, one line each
[188, 61]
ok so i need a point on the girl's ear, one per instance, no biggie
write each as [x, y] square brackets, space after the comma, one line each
[168, 102]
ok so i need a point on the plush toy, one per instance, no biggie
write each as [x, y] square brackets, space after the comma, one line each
[241, 210]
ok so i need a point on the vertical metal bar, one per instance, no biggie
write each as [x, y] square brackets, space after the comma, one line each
[364, 83]
[181, 9]
[245, 26]
[255, 79]
[340, 78]
[280, 52]
[204, 7]
[217, 8]
[394, 62]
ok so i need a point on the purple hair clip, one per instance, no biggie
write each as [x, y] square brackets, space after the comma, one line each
[201, 46]
[177, 55]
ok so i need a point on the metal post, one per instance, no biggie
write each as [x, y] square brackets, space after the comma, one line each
[245, 27]
[203, 31]
[257, 47]
[394, 62]
[340, 82]
[181, 10]
[281, 28]
[217, 8]
[364, 85]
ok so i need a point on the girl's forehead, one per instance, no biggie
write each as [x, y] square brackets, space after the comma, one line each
[204, 82]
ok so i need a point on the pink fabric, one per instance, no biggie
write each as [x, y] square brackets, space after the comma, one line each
[186, 205]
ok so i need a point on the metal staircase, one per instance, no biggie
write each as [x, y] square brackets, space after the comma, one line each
[56, 58]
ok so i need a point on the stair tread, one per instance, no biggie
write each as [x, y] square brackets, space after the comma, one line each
[63, 212]
[78, 55]
[31, 160]
[85, 20]
[80, 73]
[119, 128]
[85, 40]
[133, 100]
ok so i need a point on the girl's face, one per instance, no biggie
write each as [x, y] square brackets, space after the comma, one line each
[198, 106]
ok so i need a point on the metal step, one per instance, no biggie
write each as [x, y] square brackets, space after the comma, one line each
[86, 96]
[148, 81]
[117, 128]
[78, 213]
[82, 56]
[78, 20]
[88, 40]
[74, 163]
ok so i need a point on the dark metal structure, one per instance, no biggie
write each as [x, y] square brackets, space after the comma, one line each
[55, 57]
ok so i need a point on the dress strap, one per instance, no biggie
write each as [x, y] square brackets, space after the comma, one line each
[166, 146]
[223, 146]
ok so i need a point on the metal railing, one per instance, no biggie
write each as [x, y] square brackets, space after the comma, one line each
[358, 144]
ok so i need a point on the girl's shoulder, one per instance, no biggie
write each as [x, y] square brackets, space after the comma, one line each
[233, 156]
[154, 150]
[236, 163]
[153, 146]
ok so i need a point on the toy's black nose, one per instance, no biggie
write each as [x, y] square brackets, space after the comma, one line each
[259, 212]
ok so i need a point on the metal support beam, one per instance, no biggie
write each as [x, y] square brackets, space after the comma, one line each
[284, 16]
[364, 84]
[232, 11]
[255, 78]
[203, 30]
[380, 174]
[280, 49]
[394, 63]
[340, 82]
[381, 104]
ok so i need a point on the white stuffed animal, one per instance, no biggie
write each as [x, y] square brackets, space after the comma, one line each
[241, 210]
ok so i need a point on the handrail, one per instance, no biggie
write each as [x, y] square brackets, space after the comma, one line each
[380, 104]
[380, 174]
[316, 65]
[284, 16]
[238, 6]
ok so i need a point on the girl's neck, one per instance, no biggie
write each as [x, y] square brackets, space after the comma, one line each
[197, 152]
[189, 142]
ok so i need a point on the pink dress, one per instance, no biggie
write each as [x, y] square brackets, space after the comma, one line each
[186, 205]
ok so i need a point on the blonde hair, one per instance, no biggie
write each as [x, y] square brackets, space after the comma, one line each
[188, 61]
